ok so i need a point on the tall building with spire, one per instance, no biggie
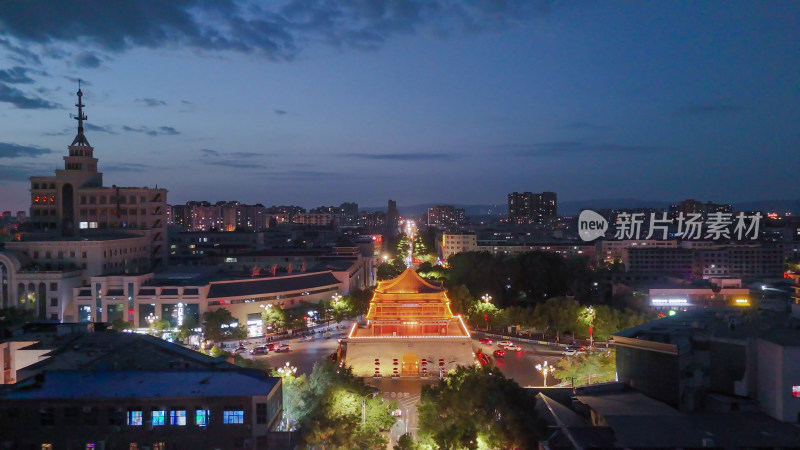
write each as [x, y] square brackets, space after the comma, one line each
[80, 230]
[74, 202]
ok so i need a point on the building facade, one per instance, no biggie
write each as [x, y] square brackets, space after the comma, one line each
[528, 208]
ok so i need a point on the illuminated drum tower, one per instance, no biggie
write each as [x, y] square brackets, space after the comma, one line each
[409, 331]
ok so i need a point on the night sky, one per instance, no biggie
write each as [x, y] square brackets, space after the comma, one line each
[311, 103]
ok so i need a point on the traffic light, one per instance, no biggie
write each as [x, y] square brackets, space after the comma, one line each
[485, 317]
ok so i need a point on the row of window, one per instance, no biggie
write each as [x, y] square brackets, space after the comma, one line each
[102, 200]
[137, 417]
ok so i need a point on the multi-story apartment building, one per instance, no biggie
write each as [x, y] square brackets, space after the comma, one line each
[452, 243]
[527, 207]
[691, 206]
[444, 216]
[717, 261]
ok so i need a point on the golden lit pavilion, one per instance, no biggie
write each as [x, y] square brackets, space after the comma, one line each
[409, 331]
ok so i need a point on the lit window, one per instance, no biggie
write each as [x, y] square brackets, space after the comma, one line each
[177, 417]
[133, 446]
[159, 418]
[47, 446]
[159, 446]
[201, 417]
[232, 417]
[134, 418]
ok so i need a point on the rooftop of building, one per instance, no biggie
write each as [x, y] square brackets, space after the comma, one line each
[725, 322]
[75, 346]
[88, 237]
[101, 384]
[626, 418]
[408, 282]
[266, 285]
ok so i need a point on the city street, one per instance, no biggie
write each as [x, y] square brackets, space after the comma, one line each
[521, 366]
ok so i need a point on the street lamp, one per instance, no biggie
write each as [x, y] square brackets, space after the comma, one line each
[589, 315]
[486, 298]
[287, 370]
[544, 368]
[363, 404]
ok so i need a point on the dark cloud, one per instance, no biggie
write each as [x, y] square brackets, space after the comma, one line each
[21, 100]
[15, 75]
[126, 167]
[722, 107]
[8, 150]
[236, 160]
[587, 126]
[76, 80]
[280, 112]
[573, 147]
[401, 156]
[99, 129]
[87, 60]
[15, 172]
[151, 101]
[20, 54]
[160, 131]
[277, 30]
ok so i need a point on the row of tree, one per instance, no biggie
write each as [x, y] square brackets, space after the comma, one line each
[334, 409]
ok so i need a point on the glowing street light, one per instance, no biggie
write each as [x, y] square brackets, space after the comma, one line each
[486, 298]
[287, 370]
[544, 369]
[151, 318]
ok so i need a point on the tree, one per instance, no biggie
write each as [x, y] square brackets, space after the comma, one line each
[479, 406]
[187, 327]
[220, 325]
[274, 318]
[328, 409]
[559, 314]
[588, 368]
[120, 325]
[405, 442]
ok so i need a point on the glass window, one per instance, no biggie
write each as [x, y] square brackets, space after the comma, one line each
[159, 418]
[233, 416]
[159, 446]
[47, 446]
[202, 417]
[135, 418]
[177, 417]
[47, 416]
[133, 446]
[261, 413]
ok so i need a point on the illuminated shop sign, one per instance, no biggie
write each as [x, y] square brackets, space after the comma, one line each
[669, 301]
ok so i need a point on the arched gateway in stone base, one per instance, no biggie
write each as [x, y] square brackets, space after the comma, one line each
[409, 331]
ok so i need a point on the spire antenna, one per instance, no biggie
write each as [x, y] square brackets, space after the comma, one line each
[80, 139]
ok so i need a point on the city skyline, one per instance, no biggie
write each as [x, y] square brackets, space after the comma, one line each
[432, 102]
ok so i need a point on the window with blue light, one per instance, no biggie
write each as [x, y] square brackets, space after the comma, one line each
[159, 418]
[233, 416]
[201, 417]
[177, 417]
[135, 418]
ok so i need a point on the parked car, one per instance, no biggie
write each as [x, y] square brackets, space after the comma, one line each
[260, 350]
[282, 348]
[505, 344]
[397, 413]
[485, 341]
[499, 352]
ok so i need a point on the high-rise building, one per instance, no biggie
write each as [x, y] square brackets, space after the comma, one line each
[527, 207]
[392, 218]
[443, 216]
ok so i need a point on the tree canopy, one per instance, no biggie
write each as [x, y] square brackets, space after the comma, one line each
[220, 325]
[475, 408]
[588, 368]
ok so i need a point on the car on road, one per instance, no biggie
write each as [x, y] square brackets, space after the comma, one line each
[515, 348]
[397, 413]
[569, 352]
[282, 348]
[499, 352]
[260, 350]
[504, 344]
[239, 350]
[485, 341]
